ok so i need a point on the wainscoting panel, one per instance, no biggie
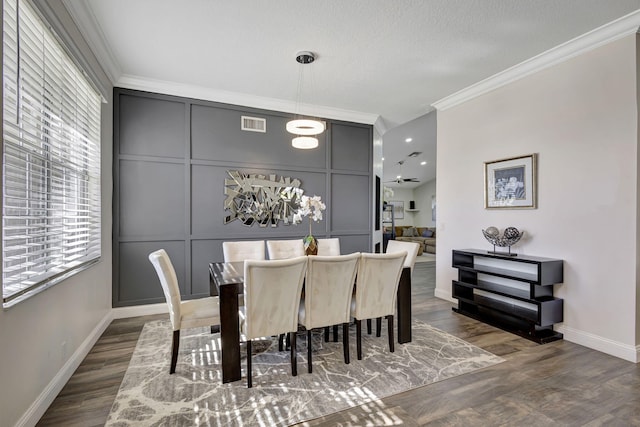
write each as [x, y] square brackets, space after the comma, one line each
[207, 203]
[152, 198]
[351, 198]
[216, 135]
[350, 143]
[138, 282]
[145, 119]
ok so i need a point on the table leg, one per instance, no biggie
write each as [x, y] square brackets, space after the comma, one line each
[230, 334]
[404, 306]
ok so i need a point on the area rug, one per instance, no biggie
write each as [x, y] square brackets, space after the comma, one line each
[194, 395]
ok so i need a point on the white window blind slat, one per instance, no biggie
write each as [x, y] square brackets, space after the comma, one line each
[51, 159]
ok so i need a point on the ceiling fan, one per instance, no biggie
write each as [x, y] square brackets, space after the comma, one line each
[399, 179]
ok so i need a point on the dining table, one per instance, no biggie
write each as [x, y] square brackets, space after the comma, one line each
[226, 280]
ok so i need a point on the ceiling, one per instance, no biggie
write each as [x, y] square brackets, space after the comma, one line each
[382, 62]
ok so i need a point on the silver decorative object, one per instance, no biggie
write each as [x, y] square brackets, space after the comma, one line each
[510, 237]
[255, 198]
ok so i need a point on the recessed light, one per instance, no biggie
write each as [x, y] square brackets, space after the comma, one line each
[423, 163]
[408, 140]
[399, 176]
[383, 159]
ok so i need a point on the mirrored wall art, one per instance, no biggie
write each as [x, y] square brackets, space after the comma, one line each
[261, 199]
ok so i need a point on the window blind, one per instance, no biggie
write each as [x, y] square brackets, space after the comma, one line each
[51, 159]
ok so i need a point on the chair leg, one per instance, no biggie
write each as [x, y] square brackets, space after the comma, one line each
[287, 342]
[359, 338]
[368, 326]
[390, 332]
[249, 382]
[309, 365]
[378, 326]
[326, 334]
[294, 360]
[280, 342]
[335, 333]
[345, 342]
[174, 351]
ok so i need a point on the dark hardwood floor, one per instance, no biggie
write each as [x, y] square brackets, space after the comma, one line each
[552, 384]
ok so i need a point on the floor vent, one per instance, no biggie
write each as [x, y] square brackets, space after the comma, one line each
[254, 124]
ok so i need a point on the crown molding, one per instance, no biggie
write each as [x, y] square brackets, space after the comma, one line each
[209, 94]
[380, 125]
[86, 21]
[600, 36]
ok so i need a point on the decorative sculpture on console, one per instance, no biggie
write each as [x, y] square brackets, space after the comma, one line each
[510, 237]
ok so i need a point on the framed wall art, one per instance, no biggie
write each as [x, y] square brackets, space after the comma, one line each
[510, 183]
[398, 209]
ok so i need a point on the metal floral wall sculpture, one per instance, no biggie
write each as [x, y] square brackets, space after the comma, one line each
[256, 198]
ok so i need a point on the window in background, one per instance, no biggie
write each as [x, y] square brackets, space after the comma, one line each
[51, 159]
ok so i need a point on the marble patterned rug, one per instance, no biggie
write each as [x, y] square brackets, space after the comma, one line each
[194, 395]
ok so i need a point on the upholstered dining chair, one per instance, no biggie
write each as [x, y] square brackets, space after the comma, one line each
[376, 290]
[411, 248]
[272, 291]
[242, 250]
[283, 249]
[327, 297]
[394, 246]
[329, 247]
[183, 314]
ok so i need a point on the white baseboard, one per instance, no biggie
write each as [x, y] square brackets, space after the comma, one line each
[627, 352]
[614, 348]
[444, 294]
[139, 310]
[50, 392]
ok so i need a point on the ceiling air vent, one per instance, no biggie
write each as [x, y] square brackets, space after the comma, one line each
[254, 124]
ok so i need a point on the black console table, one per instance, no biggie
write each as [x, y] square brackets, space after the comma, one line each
[514, 293]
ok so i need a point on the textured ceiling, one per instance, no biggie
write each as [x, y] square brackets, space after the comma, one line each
[377, 59]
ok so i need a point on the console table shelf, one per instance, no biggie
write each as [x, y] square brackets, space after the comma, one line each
[512, 293]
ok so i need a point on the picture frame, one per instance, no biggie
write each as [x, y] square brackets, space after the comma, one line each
[510, 183]
[398, 209]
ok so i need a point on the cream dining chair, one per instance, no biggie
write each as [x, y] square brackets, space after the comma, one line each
[237, 251]
[327, 296]
[376, 291]
[394, 246]
[183, 314]
[272, 291]
[411, 248]
[283, 249]
[242, 250]
[329, 247]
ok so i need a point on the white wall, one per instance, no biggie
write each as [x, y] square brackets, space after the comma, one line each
[580, 116]
[423, 196]
[403, 195]
[46, 336]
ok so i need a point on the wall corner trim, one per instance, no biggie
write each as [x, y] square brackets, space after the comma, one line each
[445, 295]
[50, 392]
[600, 36]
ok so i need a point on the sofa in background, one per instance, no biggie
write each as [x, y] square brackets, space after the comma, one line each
[426, 236]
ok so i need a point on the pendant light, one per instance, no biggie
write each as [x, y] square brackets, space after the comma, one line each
[304, 128]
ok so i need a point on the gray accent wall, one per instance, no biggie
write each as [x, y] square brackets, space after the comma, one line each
[171, 156]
